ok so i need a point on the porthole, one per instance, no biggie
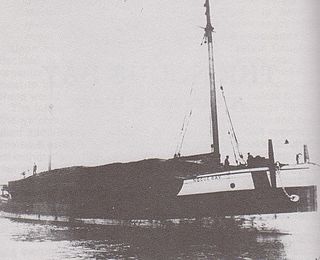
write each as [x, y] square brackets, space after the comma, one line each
[232, 185]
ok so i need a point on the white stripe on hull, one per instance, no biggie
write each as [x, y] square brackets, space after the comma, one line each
[217, 183]
[290, 176]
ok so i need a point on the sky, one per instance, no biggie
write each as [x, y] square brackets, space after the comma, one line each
[119, 73]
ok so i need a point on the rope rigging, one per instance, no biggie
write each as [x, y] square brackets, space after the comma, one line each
[232, 134]
[184, 128]
[233, 149]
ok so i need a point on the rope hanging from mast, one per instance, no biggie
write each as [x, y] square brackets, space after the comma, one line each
[233, 148]
[233, 137]
[184, 128]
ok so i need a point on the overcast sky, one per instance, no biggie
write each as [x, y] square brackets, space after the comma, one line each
[119, 74]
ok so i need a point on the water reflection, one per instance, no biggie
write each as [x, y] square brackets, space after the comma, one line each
[184, 242]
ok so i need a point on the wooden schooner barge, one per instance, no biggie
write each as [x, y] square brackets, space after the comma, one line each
[182, 187]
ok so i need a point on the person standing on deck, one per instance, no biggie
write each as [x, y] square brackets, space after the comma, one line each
[242, 160]
[249, 160]
[298, 158]
[34, 169]
[226, 162]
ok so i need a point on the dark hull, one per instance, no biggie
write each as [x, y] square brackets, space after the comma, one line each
[203, 205]
[145, 190]
[249, 202]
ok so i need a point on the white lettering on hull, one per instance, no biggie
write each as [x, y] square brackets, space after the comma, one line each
[290, 176]
[217, 183]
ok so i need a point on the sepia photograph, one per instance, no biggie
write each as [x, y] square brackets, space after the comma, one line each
[134, 129]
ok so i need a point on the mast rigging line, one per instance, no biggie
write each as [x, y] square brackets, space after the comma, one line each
[184, 127]
[233, 148]
[178, 152]
[231, 132]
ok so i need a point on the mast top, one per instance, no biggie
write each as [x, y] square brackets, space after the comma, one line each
[209, 28]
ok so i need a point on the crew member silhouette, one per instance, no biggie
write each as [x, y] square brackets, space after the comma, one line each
[249, 159]
[34, 169]
[226, 162]
[298, 158]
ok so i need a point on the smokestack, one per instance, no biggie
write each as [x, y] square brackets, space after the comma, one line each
[305, 154]
[271, 165]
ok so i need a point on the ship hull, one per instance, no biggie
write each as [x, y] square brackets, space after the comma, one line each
[192, 206]
[149, 190]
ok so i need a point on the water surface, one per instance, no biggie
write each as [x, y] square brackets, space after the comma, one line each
[35, 240]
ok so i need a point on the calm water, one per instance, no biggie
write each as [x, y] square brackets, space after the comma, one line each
[32, 240]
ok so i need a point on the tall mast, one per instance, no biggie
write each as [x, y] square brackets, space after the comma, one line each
[50, 76]
[49, 70]
[50, 141]
[214, 118]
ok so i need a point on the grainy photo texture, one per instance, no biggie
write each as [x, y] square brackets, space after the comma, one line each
[134, 129]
